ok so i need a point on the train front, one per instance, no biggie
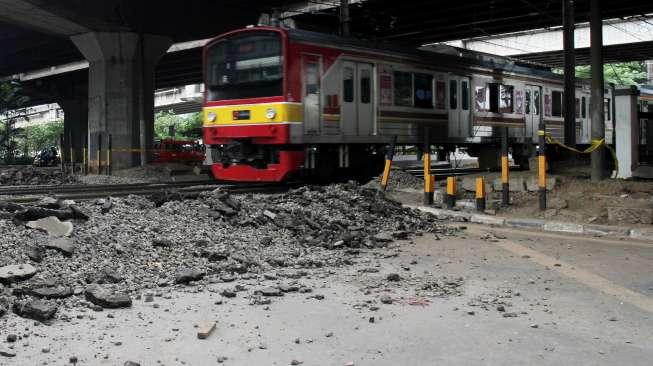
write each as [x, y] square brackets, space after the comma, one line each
[247, 117]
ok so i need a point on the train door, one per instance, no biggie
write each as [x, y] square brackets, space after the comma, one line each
[311, 92]
[365, 101]
[582, 118]
[532, 110]
[459, 106]
[357, 104]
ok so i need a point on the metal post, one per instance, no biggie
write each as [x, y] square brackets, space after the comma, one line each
[428, 180]
[109, 152]
[61, 150]
[570, 72]
[72, 153]
[541, 160]
[85, 155]
[596, 101]
[99, 153]
[505, 168]
[344, 18]
[389, 155]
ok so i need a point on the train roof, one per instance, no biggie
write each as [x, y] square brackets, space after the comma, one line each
[446, 55]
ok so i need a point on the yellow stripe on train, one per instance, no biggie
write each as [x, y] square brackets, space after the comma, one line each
[253, 113]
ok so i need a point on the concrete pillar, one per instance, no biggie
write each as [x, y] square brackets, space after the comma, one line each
[626, 130]
[570, 72]
[596, 101]
[121, 92]
[649, 72]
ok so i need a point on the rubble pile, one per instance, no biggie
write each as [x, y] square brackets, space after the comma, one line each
[28, 175]
[399, 179]
[120, 247]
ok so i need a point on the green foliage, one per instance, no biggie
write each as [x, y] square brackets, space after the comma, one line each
[625, 74]
[11, 102]
[39, 137]
[187, 126]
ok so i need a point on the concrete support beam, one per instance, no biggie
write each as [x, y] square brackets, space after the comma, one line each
[26, 14]
[596, 101]
[121, 92]
[627, 130]
[570, 72]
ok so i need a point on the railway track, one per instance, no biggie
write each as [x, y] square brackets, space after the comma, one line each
[27, 194]
[441, 172]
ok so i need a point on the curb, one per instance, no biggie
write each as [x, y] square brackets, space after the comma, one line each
[537, 224]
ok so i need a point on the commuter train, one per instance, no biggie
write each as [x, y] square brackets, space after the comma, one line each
[282, 102]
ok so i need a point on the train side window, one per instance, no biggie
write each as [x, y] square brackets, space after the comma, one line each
[536, 102]
[577, 108]
[423, 91]
[403, 85]
[506, 99]
[453, 94]
[493, 95]
[440, 94]
[556, 110]
[464, 95]
[527, 102]
[606, 109]
[348, 84]
[311, 78]
[583, 107]
[366, 86]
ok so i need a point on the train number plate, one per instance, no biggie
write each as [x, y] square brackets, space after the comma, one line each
[240, 115]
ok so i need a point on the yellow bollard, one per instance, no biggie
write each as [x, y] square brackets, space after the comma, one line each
[428, 180]
[386, 174]
[480, 194]
[451, 192]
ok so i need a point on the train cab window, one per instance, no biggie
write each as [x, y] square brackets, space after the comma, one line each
[556, 109]
[453, 94]
[245, 66]
[366, 86]
[423, 91]
[403, 89]
[606, 109]
[440, 94]
[348, 84]
[464, 95]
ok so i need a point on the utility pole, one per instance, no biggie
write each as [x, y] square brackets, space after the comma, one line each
[344, 18]
[596, 103]
[570, 72]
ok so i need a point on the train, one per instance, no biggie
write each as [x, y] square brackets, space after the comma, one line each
[281, 103]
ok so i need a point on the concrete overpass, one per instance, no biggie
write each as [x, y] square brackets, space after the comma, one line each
[125, 43]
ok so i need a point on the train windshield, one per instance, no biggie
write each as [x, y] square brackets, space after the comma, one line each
[245, 66]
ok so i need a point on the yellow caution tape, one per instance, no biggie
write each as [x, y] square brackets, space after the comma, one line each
[596, 144]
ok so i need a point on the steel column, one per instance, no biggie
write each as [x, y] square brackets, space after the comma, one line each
[344, 18]
[596, 102]
[570, 71]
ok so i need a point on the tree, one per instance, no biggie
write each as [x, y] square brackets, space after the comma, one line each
[11, 102]
[41, 136]
[187, 126]
[625, 74]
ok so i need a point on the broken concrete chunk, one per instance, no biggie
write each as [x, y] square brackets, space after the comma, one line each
[186, 275]
[383, 237]
[58, 292]
[16, 272]
[63, 245]
[270, 291]
[107, 298]
[35, 309]
[35, 253]
[52, 226]
[206, 330]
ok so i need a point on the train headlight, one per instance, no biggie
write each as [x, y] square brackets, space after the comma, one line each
[270, 113]
[211, 116]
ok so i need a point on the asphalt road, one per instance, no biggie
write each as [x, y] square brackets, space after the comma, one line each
[577, 301]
